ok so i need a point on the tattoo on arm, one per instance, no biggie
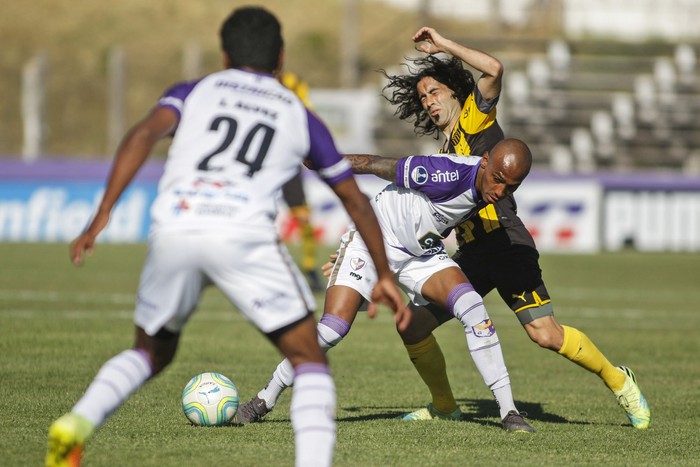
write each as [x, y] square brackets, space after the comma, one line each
[384, 167]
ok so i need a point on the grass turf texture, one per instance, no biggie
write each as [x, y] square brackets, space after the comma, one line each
[58, 324]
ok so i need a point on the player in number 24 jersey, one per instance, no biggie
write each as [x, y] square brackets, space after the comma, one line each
[240, 135]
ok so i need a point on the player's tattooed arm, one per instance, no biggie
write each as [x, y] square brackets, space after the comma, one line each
[384, 167]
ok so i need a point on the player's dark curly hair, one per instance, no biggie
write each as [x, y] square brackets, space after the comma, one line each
[252, 36]
[401, 90]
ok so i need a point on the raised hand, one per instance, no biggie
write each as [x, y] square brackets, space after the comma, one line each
[428, 40]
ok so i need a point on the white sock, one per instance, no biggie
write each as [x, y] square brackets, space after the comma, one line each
[282, 378]
[331, 330]
[313, 415]
[116, 381]
[504, 399]
[483, 343]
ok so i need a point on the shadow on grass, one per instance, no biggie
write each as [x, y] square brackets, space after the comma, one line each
[480, 411]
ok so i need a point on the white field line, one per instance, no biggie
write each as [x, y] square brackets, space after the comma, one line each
[570, 293]
[651, 296]
[209, 315]
[53, 296]
[95, 299]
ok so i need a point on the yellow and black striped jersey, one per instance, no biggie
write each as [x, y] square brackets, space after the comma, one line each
[476, 132]
[477, 129]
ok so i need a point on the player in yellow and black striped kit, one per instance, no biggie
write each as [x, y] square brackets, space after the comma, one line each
[495, 250]
[294, 196]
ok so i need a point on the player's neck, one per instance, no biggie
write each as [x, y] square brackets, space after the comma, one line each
[450, 127]
[447, 133]
[257, 71]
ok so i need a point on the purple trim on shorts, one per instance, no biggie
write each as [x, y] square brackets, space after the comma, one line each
[406, 250]
[308, 368]
[456, 293]
[146, 357]
[336, 323]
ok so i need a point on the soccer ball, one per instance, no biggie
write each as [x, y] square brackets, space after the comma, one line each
[210, 399]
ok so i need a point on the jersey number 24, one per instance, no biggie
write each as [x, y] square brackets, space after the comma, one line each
[229, 126]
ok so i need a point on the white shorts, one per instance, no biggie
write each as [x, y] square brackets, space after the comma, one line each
[354, 268]
[259, 277]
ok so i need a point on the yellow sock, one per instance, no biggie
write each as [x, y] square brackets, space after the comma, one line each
[308, 240]
[428, 359]
[578, 348]
[308, 247]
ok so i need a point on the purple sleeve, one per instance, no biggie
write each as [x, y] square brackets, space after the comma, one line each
[323, 155]
[440, 178]
[174, 97]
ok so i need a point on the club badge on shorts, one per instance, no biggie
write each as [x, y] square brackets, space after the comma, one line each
[357, 263]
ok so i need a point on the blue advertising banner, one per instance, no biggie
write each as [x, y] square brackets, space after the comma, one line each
[52, 201]
[57, 212]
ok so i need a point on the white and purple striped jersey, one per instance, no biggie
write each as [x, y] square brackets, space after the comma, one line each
[240, 137]
[431, 195]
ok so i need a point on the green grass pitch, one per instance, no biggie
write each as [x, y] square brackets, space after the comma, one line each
[58, 324]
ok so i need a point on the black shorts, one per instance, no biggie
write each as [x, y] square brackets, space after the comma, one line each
[293, 192]
[514, 271]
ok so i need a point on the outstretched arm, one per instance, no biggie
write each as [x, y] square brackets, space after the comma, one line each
[383, 167]
[130, 156]
[491, 68]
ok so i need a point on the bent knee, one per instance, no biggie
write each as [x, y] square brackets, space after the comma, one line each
[545, 340]
[422, 324]
[546, 333]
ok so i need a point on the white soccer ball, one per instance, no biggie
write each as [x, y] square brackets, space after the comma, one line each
[210, 399]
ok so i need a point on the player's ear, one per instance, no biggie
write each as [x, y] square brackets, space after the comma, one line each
[225, 58]
[280, 63]
[484, 160]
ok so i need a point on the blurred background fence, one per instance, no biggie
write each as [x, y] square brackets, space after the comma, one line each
[594, 87]
[609, 84]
